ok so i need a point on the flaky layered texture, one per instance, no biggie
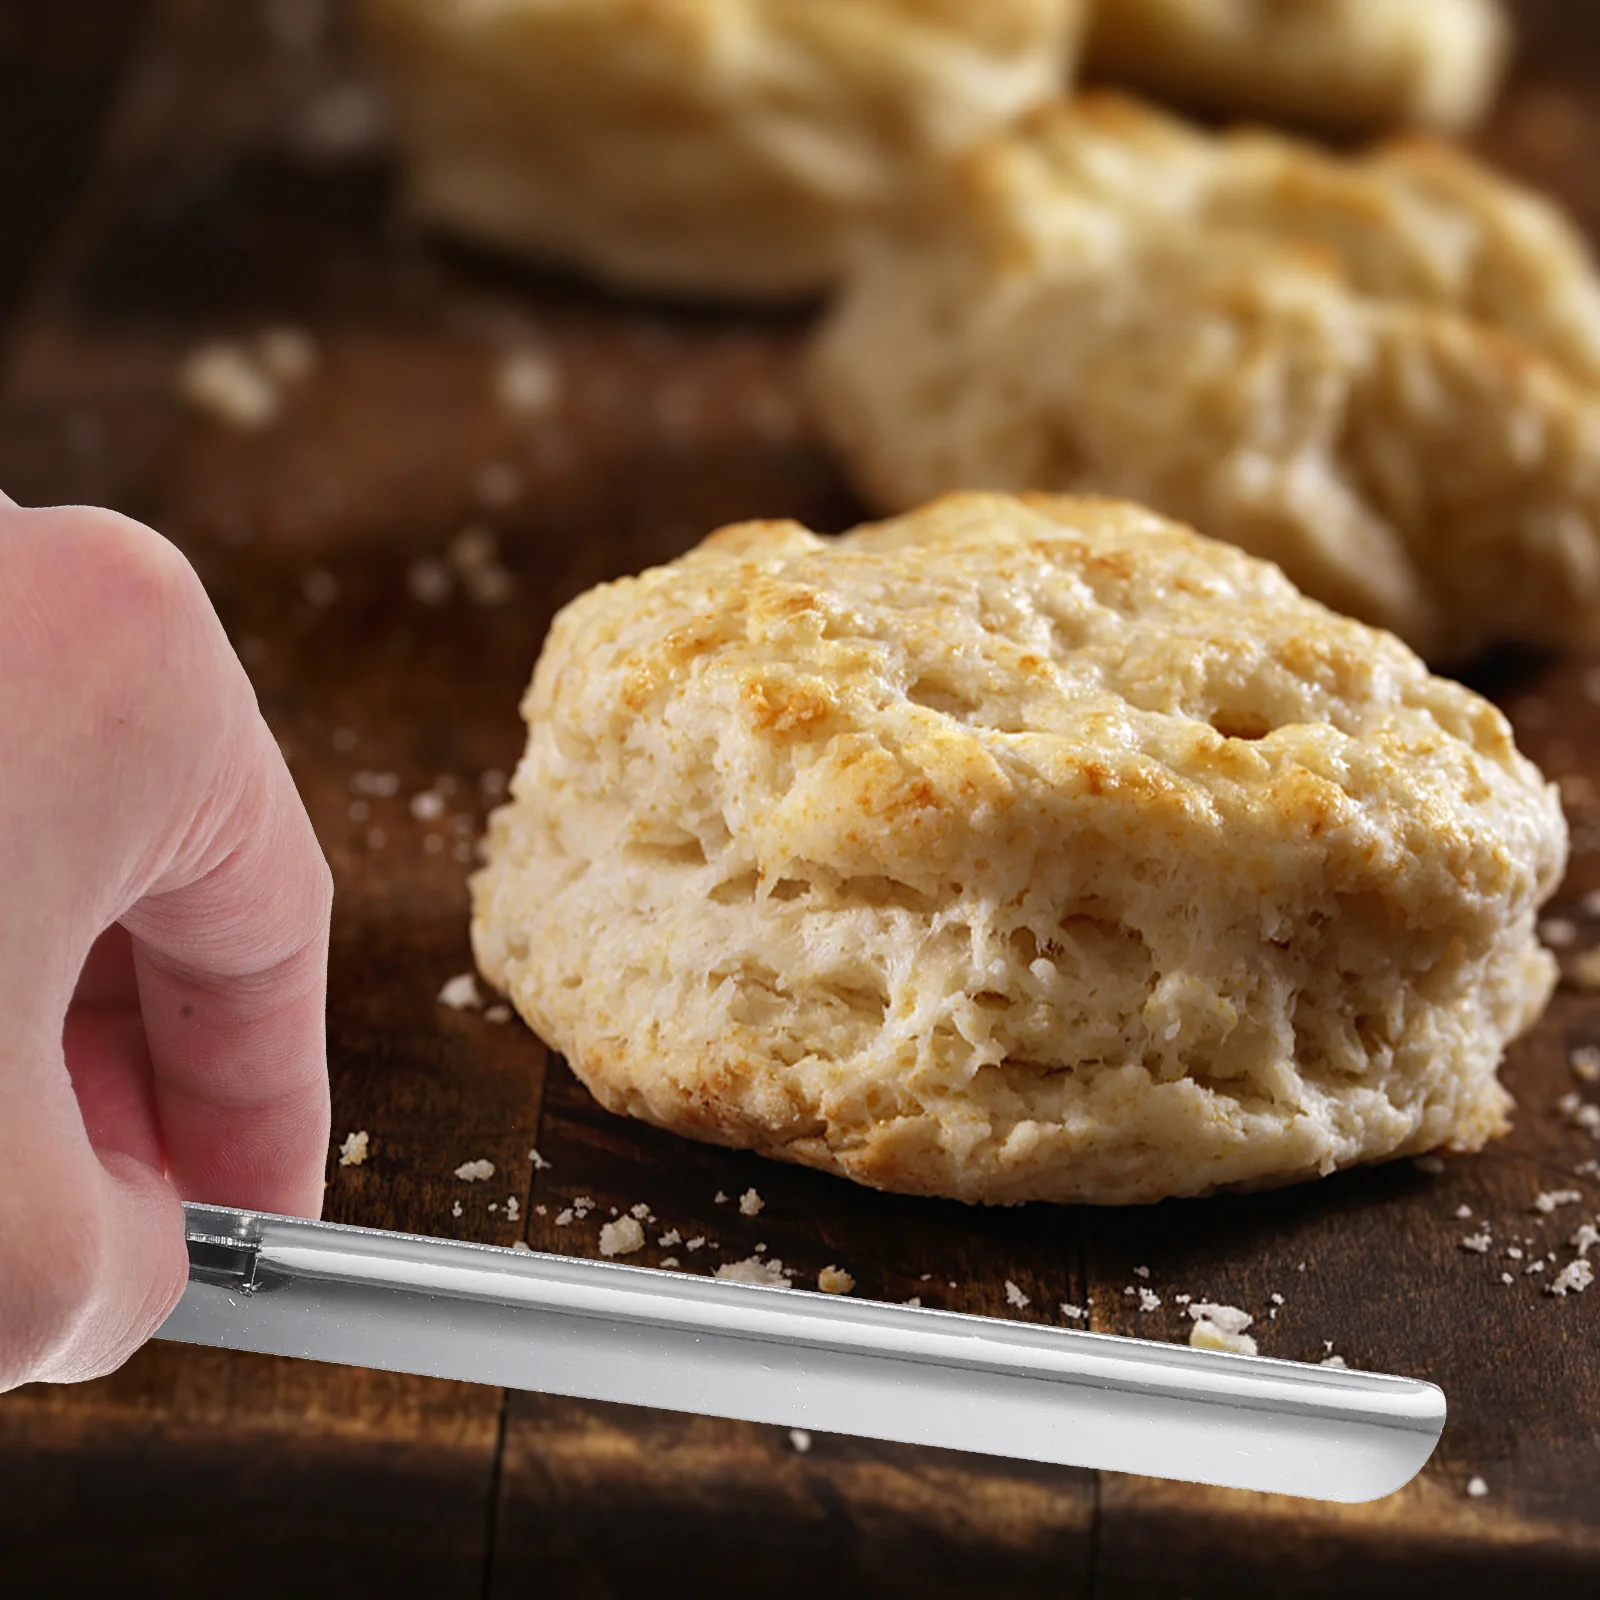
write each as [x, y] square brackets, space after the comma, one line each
[1379, 373]
[1014, 850]
[1351, 65]
[700, 146]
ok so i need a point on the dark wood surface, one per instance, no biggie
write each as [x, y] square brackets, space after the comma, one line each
[235, 185]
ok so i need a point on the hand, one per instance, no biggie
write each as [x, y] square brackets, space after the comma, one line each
[163, 942]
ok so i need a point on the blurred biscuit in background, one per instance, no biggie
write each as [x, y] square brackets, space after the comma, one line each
[1017, 850]
[1344, 65]
[699, 146]
[1381, 373]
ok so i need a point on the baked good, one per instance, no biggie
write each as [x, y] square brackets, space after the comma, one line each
[1382, 373]
[699, 146]
[1017, 849]
[1349, 65]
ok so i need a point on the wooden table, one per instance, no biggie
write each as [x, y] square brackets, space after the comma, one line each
[196, 169]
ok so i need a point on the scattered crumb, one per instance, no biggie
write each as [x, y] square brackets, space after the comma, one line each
[461, 993]
[1552, 1198]
[427, 806]
[1432, 1165]
[668, 1263]
[1537, 1266]
[719, 1198]
[223, 381]
[582, 1204]
[520, 1244]
[1505, 1277]
[1333, 1361]
[1463, 1211]
[642, 1212]
[492, 784]
[376, 838]
[1141, 1272]
[835, 1280]
[429, 581]
[800, 1439]
[1276, 1298]
[1076, 1313]
[750, 1204]
[754, 1270]
[621, 1238]
[475, 1171]
[527, 382]
[499, 1014]
[539, 1162]
[915, 1300]
[1514, 1251]
[695, 1243]
[353, 1152]
[1478, 1243]
[1558, 932]
[286, 354]
[1585, 1239]
[1573, 1278]
[541, 1211]
[760, 1248]
[1585, 969]
[1015, 1297]
[498, 485]
[563, 1217]
[455, 1210]
[1477, 1488]
[1221, 1328]
[1178, 1299]
[494, 1205]
[670, 1238]
[1149, 1300]
[513, 1208]
[1585, 1064]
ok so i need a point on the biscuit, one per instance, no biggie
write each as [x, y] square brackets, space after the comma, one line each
[1382, 373]
[1346, 65]
[1017, 849]
[700, 146]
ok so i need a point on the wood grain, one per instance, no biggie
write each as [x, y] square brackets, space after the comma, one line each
[242, 184]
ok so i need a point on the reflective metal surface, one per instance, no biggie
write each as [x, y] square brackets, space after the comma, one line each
[604, 1331]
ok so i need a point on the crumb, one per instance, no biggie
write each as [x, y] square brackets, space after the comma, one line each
[520, 1244]
[475, 1171]
[1585, 969]
[754, 1270]
[494, 1205]
[1573, 1278]
[1550, 1199]
[915, 1300]
[286, 355]
[670, 1238]
[1514, 1251]
[432, 844]
[1505, 1277]
[1558, 932]
[835, 1280]
[1015, 1297]
[621, 1238]
[1221, 1328]
[382, 785]
[1333, 1361]
[668, 1263]
[563, 1217]
[1463, 1212]
[1477, 1488]
[695, 1243]
[539, 1162]
[353, 1152]
[1432, 1165]
[1537, 1266]
[719, 1198]
[1276, 1298]
[527, 382]
[541, 1211]
[1141, 1272]
[750, 1203]
[427, 806]
[455, 1210]
[1300, 1267]
[513, 1208]
[358, 811]
[760, 1248]
[1585, 1239]
[223, 381]
[1149, 1300]
[582, 1204]
[461, 993]
[376, 838]
[498, 485]
[492, 783]
[1585, 1064]
[429, 581]
[800, 1439]
[499, 1014]
[1478, 1243]
[1177, 1299]
[1076, 1313]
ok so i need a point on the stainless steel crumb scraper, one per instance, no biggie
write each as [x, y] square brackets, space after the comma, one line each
[603, 1331]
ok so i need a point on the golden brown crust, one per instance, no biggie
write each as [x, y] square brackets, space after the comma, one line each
[700, 146]
[1383, 374]
[1017, 849]
[1349, 65]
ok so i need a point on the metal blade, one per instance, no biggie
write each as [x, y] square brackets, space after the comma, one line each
[603, 1331]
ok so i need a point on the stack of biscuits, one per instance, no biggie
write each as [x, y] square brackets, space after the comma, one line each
[1031, 844]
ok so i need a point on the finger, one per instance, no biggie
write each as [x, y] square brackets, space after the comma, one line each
[92, 1250]
[232, 969]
